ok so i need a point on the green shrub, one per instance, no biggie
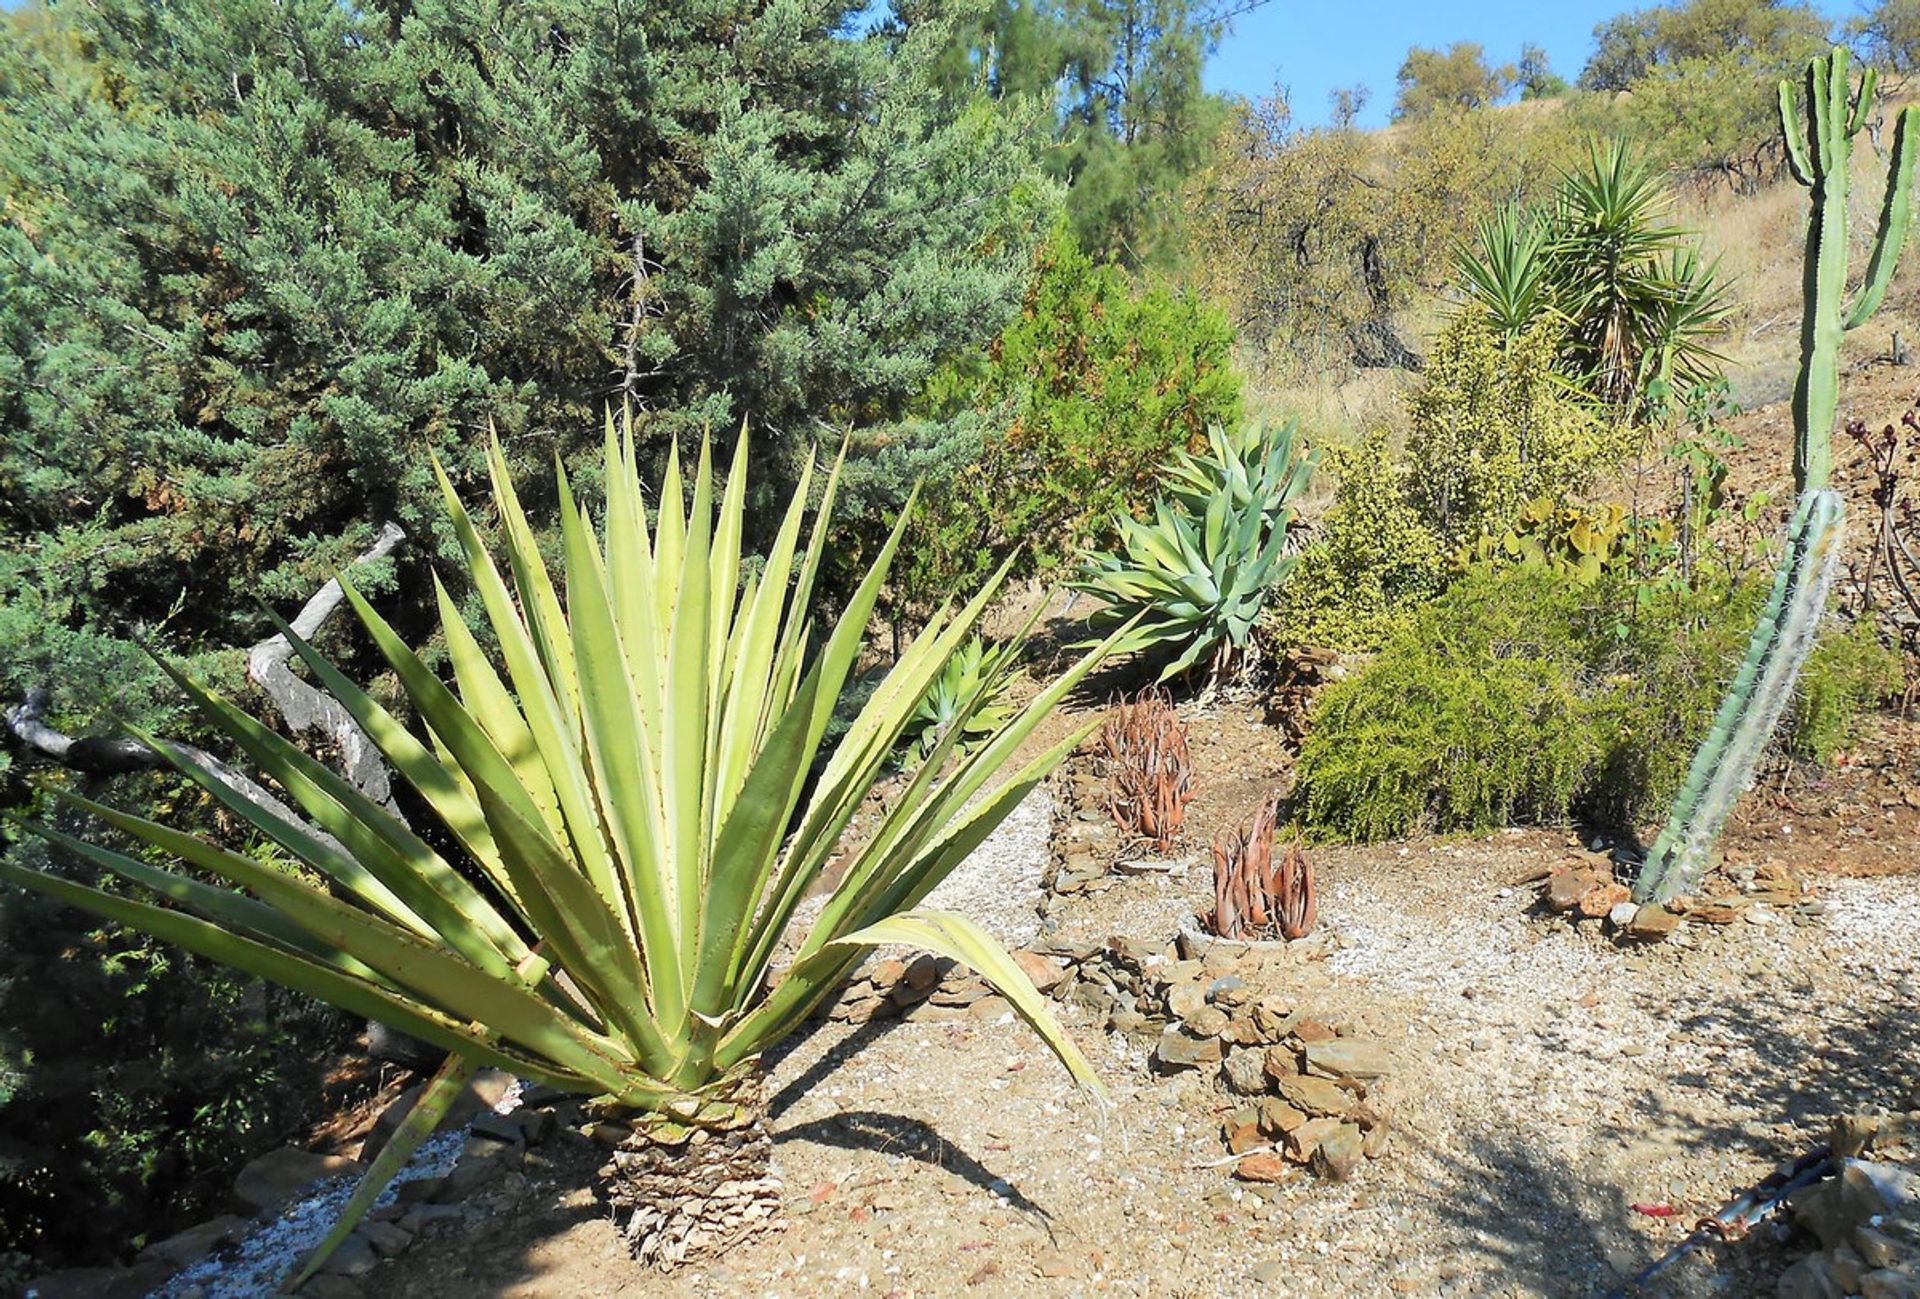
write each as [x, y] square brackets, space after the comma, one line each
[1497, 438]
[1094, 387]
[1848, 674]
[1374, 559]
[1494, 426]
[1470, 716]
[1520, 695]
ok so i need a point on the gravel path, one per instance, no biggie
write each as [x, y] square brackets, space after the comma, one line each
[999, 884]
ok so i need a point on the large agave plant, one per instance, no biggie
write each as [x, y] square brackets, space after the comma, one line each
[1251, 465]
[632, 815]
[1197, 574]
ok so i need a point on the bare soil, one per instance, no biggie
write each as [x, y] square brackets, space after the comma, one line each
[1548, 1081]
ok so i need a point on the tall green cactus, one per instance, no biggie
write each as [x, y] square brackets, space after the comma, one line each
[1819, 138]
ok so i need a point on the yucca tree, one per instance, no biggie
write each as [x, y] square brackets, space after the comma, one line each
[632, 815]
[1639, 307]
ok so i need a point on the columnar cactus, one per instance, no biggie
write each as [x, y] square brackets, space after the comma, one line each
[1819, 139]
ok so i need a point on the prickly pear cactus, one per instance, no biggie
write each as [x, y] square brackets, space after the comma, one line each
[1819, 124]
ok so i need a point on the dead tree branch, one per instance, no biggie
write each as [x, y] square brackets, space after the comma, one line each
[113, 755]
[304, 707]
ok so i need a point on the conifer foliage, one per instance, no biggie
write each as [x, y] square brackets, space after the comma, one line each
[257, 258]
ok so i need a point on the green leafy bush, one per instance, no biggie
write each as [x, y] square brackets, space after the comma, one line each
[134, 1079]
[1471, 716]
[1095, 386]
[1848, 674]
[1373, 558]
[1516, 697]
[1494, 426]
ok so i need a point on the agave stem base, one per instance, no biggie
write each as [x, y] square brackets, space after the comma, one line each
[681, 1192]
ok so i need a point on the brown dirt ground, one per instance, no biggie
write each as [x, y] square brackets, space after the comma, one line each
[1548, 1081]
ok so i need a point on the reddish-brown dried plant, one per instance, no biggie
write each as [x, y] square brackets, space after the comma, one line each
[1148, 767]
[1253, 897]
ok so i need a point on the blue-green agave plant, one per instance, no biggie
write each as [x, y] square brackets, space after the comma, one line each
[1196, 576]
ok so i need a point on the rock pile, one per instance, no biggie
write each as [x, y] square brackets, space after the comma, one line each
[1588, 889]
[1309, 1085]
[1085, 839]
[1866, 1218]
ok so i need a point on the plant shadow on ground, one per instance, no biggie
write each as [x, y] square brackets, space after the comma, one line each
[881, 1133]
[1564, 1226]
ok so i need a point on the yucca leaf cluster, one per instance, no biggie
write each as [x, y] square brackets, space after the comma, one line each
[1636, 307]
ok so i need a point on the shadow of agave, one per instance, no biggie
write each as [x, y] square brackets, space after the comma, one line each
[897, 1135]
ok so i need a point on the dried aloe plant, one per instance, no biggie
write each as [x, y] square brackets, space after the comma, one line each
[1148, 767]
[1252, 896]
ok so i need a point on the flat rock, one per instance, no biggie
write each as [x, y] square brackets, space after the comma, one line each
[1350, 1057]
[1339, 1153]
[1566, 886]
[467, 1177]
[355, 1257]
[1277, 1118]
[1304, 1141]
[1185, 1000]
[1889, 1283]
[1181, 1050]
[486, 1089]
[1045, 972]
[421, 1216]
[279, 1175]
[1208, 1021]
[386, 1238]
[1245, 1072]
[1314, 1095]
[1262, 1168]
[1653, 922]
[184, 1249]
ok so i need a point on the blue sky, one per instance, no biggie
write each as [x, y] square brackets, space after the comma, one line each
[1316, 46]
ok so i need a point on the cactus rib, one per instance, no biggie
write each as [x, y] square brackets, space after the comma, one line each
[1896, 219]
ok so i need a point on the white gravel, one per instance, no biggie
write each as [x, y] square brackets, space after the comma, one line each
[1485, 945]
[998, 886]
[259, 1263]
[1876, 922]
